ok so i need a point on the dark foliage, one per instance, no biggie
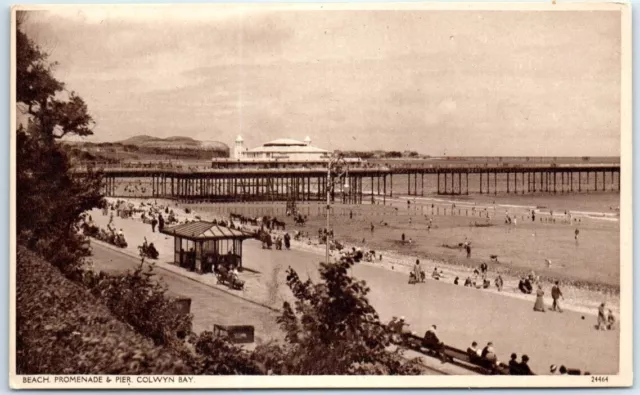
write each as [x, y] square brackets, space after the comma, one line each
[49, 197]
[331, 329]
[63, 329]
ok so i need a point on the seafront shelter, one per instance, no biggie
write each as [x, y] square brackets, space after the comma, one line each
[201, 246]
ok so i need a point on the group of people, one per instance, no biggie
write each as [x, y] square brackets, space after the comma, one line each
[485, 357]
[286, 239]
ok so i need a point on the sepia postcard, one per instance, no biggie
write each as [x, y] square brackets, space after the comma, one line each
[265, 195]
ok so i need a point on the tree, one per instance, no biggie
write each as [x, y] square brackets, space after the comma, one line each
[39, 92]
[50, 198]
[332, 329]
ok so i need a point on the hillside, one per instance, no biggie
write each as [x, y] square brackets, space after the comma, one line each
[174, 142]
[148, 148]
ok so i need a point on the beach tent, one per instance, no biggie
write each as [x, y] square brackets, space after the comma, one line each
[200, 245]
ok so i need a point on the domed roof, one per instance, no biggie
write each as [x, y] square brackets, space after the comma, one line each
[283, 142]
[239, 139]
[307, 139]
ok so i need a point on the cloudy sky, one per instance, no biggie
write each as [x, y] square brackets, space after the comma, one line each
[460, 82]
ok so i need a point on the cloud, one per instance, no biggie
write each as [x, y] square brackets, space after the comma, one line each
[470, 82]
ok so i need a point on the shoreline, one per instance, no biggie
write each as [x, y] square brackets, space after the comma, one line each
[577, 298]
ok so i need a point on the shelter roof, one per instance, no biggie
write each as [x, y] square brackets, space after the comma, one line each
[203, 231]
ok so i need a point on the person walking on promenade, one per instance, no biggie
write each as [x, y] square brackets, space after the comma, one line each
[556, 294]
[539, 305]
[160, 223]
[287, 241]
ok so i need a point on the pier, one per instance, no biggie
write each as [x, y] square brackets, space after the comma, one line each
[360, 184]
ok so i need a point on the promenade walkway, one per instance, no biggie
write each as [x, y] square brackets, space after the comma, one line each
[462, 314]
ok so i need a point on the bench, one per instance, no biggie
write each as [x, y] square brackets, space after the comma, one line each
[456, 356]
[236, 333]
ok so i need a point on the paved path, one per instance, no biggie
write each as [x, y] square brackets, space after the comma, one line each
[209, 305]
[462, 314]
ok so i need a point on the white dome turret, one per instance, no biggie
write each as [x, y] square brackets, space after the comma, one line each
[307, 140]
[239, 139]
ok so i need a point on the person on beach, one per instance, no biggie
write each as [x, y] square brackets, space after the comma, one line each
[435, 275]
[576, 233]
[154, 222]
[468, 248]
[556, 294]
[418, 273]
[539, 305]
[402, 238]
[467, 282]
[287, 241]
[483, 267]
[602, 320]
[499, 283]
[611, 320]
[372, 227]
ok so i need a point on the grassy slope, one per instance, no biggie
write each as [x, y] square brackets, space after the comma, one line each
[63, 329]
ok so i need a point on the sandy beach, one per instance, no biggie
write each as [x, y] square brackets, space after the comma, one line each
[391, 295]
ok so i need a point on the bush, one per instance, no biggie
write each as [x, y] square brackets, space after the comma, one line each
[63, 329]
[331, 329]
[140, 301]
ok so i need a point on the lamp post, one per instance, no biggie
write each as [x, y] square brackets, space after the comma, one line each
[334, 161]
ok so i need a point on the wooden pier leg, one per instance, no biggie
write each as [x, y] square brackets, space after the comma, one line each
[595, 184]
[415, 184]
[612, 180]
[481, 183]
[467, 183]
[619, 174]
[445, 183]
[384, 190]
[409, 184]
[604, 180]
[508, 182]
[422, 183]
[438, 183]
[390, 184]
[495, 183]
[571, 181]
[372, 198]
[579, 181]
[459, 183]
